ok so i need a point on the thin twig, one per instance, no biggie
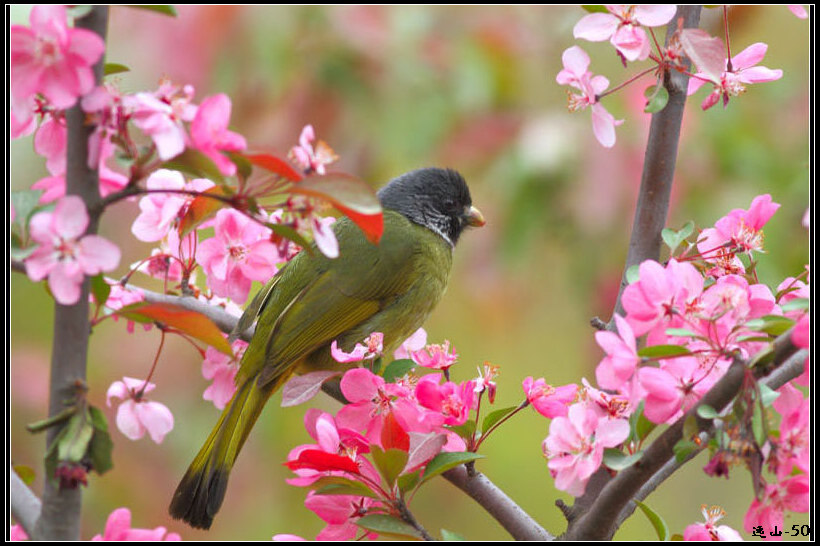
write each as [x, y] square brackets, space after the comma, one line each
[24, 504]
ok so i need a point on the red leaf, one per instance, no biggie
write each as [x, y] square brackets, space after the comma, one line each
[316, 459]
[275, 165]
[201, 208]
[393, 436]
[189, 322]
[350, 195]
[302, 388]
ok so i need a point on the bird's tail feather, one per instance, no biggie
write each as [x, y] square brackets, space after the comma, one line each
[200, 493]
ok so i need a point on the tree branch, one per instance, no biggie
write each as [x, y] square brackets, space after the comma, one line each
[24, 504]
[790, 369]
[602, 518]
[653, 204]
[60, 515]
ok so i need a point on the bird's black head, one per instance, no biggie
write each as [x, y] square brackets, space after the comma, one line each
[437, 199]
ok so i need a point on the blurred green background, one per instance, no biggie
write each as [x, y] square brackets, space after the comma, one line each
[473, 88]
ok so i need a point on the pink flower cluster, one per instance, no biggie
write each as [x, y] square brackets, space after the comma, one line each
[408, 420]
[117, 528]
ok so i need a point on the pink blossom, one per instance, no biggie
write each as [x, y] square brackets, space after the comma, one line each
[330, 438]
[576, 74]
[308, 158]
[740, 230]
[674, 387]
[118, 528]
[661, 298]
[794, 443]
[739, 71]
[285, 537]
[798, 10]
[340, 512]
[50, 141]
[372, 348]
[372, 400]
[622, 26]
[621, 355]
[324, 237]
[454, 401]
[172, 257]
[64, 254]
[136, 415]
[607, 405]
[162, 209]
[22, 118]
[436, 357]
[791, 494]
[52, 58]
[547, 400]
[210, 134]
[160, 115]
[575, 446]
[415, 342]
[485, 381]
[708, 531]
[239, 253]
[221, 369]
[16, 532]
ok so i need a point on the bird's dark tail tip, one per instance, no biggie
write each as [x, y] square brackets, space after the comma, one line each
[199, 496]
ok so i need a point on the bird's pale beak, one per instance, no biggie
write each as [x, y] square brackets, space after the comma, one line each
[474, 217]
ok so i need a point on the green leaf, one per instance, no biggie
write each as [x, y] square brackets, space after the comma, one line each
[164, 10]
[451, 536]
[74, 443]
[673, 238]
[101, 446]
[632, 273]
[337, 485]
[445, 461]
[389, 463]
[187, 321]
[797, 304]
[705, 411]
[407, 482]
[388, 526]
[19, 254]
[466, 430]
[197, 164]
[767, 395]
[617, 460]
[663, 351]
[640, 426]
[352, 197]
[681, 332]
[656, 520]
[398, 368]
[495, 416]
[683, 448]
[774, 325]
[25, 473]
[289, 233]
[100, 289]
[49, 422]
[656, 98]
[759, 428]
[244, 168]
[114, 68]
[595, 8]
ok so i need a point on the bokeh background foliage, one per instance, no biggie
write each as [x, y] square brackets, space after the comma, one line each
[395, 88]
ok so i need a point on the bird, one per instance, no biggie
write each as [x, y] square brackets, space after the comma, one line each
[390, 287]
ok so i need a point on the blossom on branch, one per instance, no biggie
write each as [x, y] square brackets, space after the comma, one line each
[575, 74]
[136, 415]
[64, 254]
[52, 59]
[622, 26]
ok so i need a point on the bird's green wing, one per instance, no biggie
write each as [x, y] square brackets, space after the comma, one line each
[317, 299]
